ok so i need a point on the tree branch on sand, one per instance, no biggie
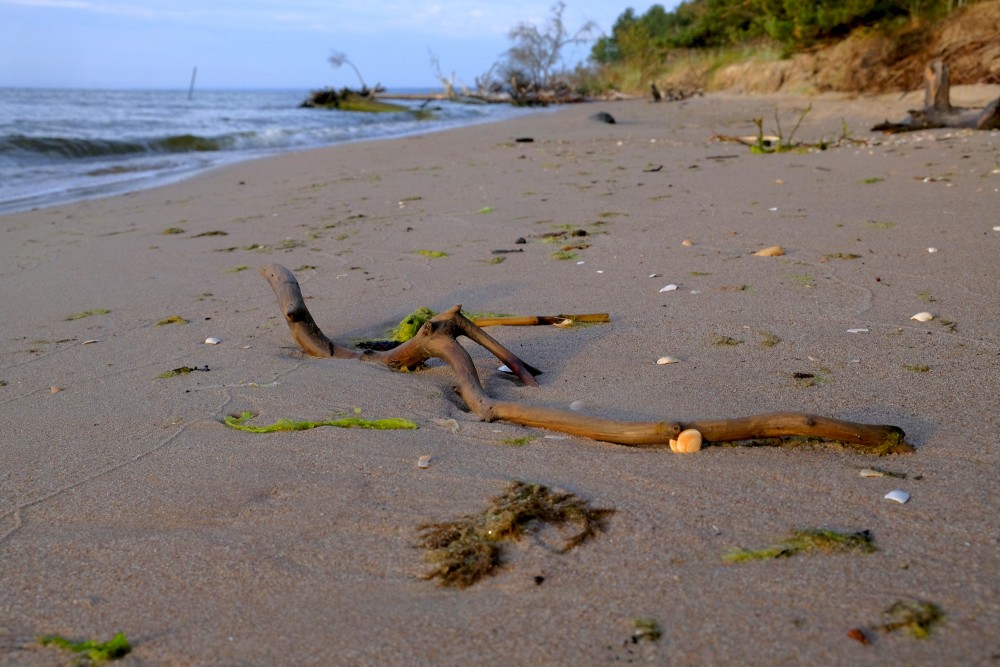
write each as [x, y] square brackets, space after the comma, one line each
[438, 339]
[938, 112]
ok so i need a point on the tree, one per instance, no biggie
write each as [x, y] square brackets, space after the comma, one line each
[536, 53]
[337, 59]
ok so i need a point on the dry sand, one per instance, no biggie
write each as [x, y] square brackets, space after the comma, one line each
[125, 503]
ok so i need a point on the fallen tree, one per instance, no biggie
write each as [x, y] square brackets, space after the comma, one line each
[938, 111]
[438, 339]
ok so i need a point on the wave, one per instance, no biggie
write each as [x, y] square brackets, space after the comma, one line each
[74, 148]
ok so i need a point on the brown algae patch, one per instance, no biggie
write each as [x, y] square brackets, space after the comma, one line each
[463, 551]
[807, 540]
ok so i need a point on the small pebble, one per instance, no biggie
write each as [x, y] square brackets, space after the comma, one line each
[687, 243]
[772, 251]
[212, 340]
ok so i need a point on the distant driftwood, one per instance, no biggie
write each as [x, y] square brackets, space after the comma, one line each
[938, 112]
[346, 99]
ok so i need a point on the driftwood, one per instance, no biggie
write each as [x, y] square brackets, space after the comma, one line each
[438, 339]
[938, 112]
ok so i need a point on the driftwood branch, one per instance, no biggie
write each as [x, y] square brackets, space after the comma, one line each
[938, 111]
[438, 339]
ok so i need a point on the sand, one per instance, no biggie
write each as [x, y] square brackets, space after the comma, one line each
[127, 505]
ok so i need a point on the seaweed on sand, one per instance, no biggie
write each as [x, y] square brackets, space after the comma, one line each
[238, 422]
[810, 539]
[463, 551]
[92, 652]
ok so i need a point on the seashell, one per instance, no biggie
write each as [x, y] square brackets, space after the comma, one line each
[563, 323]
[932, 250]
[857, 331]
[447, 424]
[673, 445]
[996, 228]
[687, 442]
[424, 461]
[55, 390]
[212, 340]
[687, 243]
[654, 275]
[898, 495]
[505, 369]
[667, 360]
[576, 405]
[669, 288]
[773, 251]
[923, 317]
[868, 472]
[90, 342]
[582, 261]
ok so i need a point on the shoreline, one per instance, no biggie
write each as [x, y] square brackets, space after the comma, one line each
[128, 505]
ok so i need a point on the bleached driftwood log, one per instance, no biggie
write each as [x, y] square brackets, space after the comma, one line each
[438, 339]
[938, 112]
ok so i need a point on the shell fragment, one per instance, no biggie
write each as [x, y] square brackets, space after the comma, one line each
[212, 340]
[687, 442]
[773, 251]
[923, 317]
[898, 495]
[669, 288]
[662, 361]
[424, 461]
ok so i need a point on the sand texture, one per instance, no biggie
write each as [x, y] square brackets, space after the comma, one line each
[126, 504]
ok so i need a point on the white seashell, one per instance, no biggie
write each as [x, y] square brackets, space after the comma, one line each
[90, 342]
[773, 251]
[923, 317]
[505, 369]
[581, 262]
[996, 228]
[932, 250]
[687, 243]
[576, 405]
[667, 360]
[898, 495]
[868, 472]
[212, 340]
[557, 437]
[599, 271]
[857, 331]
[688, 442]
[424, 461]
[654, 275]
[669, 288]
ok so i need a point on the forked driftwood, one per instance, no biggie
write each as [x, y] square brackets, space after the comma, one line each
[938, 112]
[438, 339]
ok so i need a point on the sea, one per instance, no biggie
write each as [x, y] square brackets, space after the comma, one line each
[59, 146]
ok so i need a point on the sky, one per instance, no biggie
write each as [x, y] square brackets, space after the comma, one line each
[267, 44]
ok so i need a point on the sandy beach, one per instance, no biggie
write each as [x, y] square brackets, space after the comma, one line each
[126, 504]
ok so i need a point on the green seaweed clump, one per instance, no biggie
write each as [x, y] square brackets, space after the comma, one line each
[173, 319]
[183, 370]
[914, 616]
[93, 652]
[467, 549]
[238, 422]
[810, 539]
[433, 254]
[410, 325]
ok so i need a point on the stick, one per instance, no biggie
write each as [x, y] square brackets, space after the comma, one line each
[438, 339]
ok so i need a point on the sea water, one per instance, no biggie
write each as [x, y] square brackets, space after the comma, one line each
[58, 146]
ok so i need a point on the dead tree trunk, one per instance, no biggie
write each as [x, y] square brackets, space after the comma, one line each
[938, 112]
[438, 339]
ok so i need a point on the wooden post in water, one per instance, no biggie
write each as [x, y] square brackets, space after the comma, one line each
[194, 73]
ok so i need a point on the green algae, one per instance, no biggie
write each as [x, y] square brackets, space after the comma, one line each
[238, 422]
[646, 630]
[173, 319]
[237, 269]
[183, 370]
[518, 442]
[802, 541]
[92, 652]
[917, 618]
[88, 313]
[563, 255]
[433, 254]
[463, 551]
[726, 341]
[410, 325]
[172, 230]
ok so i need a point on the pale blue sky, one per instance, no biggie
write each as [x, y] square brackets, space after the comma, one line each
[267, 44]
